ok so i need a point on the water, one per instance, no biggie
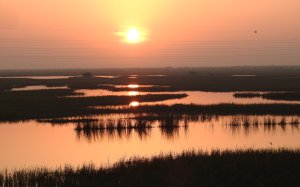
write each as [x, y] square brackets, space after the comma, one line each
[67, 77]
[194, 97]
[36, 144]
[106, 76]
[37, 77]
[38, 87]
[32, 144]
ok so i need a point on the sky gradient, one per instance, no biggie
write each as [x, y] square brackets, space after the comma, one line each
[38, 34]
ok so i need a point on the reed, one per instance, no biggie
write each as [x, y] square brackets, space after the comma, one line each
[295, 121]
[216, 168]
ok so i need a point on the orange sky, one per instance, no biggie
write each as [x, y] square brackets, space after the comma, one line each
[71, 34]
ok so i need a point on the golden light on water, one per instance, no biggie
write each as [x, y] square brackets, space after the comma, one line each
[134, 104]
[133, 35]
[133, 86]
[133, 93]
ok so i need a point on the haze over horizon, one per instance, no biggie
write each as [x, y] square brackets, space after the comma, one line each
[123, 34]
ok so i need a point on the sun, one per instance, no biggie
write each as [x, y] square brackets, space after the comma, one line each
[133, 35]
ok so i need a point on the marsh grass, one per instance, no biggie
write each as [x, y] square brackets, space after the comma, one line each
[27, 105]
[112, 128]
[285, 96]
[141, 125]
[170, 125]
[113, 124]
[295, 121]
[41, 104]
[246, 121]
[67, 120]
[252, 123]
[210, 110]
[218, 168]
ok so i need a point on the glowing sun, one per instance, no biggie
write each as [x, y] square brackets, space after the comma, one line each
[133, 35]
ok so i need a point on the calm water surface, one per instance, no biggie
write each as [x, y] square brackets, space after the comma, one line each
[33, 144]
[37, 77]
[30, 144]
[39, 87]
[194, 97]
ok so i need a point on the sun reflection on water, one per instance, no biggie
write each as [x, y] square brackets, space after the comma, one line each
[133, 93]
[133, 86]
[134, 104]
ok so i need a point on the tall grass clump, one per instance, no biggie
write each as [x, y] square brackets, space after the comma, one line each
[279, 167]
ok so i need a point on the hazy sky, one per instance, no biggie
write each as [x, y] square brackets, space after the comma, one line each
[82, 34]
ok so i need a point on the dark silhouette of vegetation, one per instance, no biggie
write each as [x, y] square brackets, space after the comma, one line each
[218, 109]
[87, 74]
[93, 129]
[267, 121]
[112, 128]
[169, 126]
[51, 108]
[218, 168]
[67, 120]
[24, 105]
[113, 124]
[41, 104]
[247, 123]
[286, 96]
[247, 95]
[278, 78]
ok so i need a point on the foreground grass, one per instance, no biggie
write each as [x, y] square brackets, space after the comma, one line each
[220, 168]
